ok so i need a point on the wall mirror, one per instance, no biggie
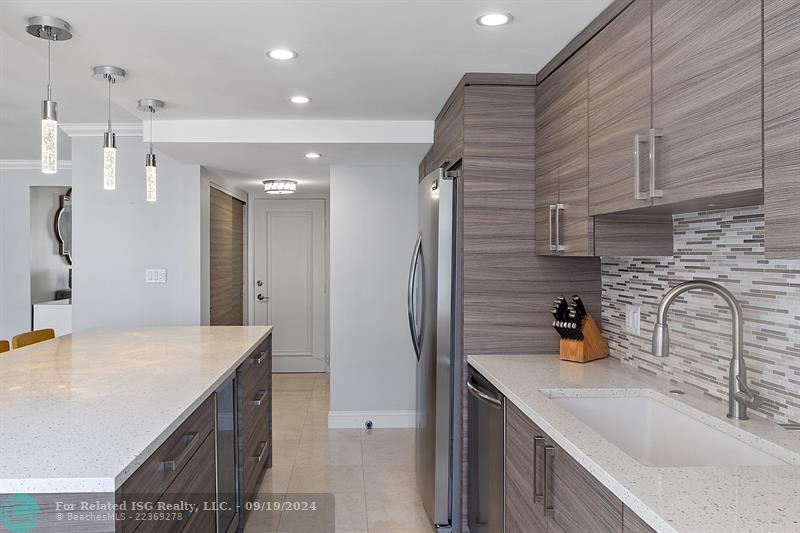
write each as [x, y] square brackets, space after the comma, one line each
[63, 226]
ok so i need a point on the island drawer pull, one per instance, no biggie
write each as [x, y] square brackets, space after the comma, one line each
[262, 447]
[259, 357]
[172, 464]
[549, 455]
[537, 496]
[259, 399]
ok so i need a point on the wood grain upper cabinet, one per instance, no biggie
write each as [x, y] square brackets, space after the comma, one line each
[564, 226]
[782, 127]
[619, 109]
[707, 99]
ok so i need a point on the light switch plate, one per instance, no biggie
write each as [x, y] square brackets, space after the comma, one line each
[632, 319]
[155, 275]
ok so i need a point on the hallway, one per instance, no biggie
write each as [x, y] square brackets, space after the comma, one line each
[370, 474]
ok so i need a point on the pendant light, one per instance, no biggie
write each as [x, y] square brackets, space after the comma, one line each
[151, 173]
[110, 75]
[51, 29]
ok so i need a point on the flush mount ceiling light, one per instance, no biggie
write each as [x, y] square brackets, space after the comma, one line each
[150, 106]
[313, 155]
[280, 186]
[299, 99]
[110, 75]
[281, 54]
[494, 19]
[51, 29]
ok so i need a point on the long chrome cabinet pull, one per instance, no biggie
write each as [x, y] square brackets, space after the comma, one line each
[549, 455]
[550, 225]
[559, 246]
[654, 193]
[638, 139]
[537, 496]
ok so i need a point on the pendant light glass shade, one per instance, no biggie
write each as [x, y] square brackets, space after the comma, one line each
[49, 145]
[109, 161]
[151, 178]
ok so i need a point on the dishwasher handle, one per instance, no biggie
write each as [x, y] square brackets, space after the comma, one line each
[483, 396]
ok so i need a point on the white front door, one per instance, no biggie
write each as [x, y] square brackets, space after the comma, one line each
[290, 274]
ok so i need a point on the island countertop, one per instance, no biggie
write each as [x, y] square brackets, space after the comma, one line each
[708, 499]
[80, 413]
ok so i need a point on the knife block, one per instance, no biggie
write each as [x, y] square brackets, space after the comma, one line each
[592, 347]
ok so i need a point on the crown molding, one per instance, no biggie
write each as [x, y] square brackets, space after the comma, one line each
[30, 164]
[97, 129]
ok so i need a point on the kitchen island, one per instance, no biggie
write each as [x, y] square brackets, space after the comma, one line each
[114, 416]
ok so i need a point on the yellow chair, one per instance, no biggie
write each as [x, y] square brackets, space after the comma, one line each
[32, 337]
[4, 347]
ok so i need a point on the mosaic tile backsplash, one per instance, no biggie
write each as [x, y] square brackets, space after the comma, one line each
[726, 246]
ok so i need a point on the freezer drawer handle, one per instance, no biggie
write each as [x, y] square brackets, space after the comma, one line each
[475, 391]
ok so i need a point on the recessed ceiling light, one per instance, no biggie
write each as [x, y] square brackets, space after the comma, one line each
[313, 155]
[281, 54]
[494, 19]
[281, 186]
[299, 99]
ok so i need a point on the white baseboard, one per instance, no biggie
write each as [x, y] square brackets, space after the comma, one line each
[380, 419]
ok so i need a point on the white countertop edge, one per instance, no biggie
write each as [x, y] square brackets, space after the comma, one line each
[628, 498]
[110, 485]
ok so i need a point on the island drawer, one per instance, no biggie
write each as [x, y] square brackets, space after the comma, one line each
[255, 460]
[253, 373]
[256, 412]
[161, 469]
[193, 486]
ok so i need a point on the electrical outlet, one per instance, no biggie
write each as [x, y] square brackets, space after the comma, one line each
[155, 275]
[632, 318]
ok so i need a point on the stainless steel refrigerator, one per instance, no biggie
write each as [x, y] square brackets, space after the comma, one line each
[434, 320]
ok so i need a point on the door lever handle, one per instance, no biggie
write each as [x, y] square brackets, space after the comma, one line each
[262, 298]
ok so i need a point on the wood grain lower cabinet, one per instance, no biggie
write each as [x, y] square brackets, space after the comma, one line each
[254, 378]
[631, 523]
[782, 128]
[546, 490]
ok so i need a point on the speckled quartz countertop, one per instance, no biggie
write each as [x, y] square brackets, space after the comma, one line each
[80, 413]
[708, 499]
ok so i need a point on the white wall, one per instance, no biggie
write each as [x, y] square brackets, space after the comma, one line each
[15, 251]
[117, 235]
[49, 269]
[373, 225]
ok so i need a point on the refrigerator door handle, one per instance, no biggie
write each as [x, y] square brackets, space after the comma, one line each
[416, 259]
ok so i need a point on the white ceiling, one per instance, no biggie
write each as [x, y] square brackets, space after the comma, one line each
[359, 59]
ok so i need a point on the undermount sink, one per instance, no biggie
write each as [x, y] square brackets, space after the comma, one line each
[656, 434]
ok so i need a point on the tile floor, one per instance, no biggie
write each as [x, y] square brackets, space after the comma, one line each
[370, 474]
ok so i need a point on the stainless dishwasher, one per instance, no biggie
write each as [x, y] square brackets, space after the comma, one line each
[486, 473]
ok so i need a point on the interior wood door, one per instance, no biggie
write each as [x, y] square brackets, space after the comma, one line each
[290, 281]
[782, 127]
[227, 259]
[620, 101]
[707, 98]
[575, 228]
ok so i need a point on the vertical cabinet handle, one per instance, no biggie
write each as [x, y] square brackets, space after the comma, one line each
[638, 139]
[550, 226]
[559, 209]
[549, 455]
[537, 495]
[654, 193]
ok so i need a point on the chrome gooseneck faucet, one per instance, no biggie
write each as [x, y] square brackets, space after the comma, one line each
[740, 397]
